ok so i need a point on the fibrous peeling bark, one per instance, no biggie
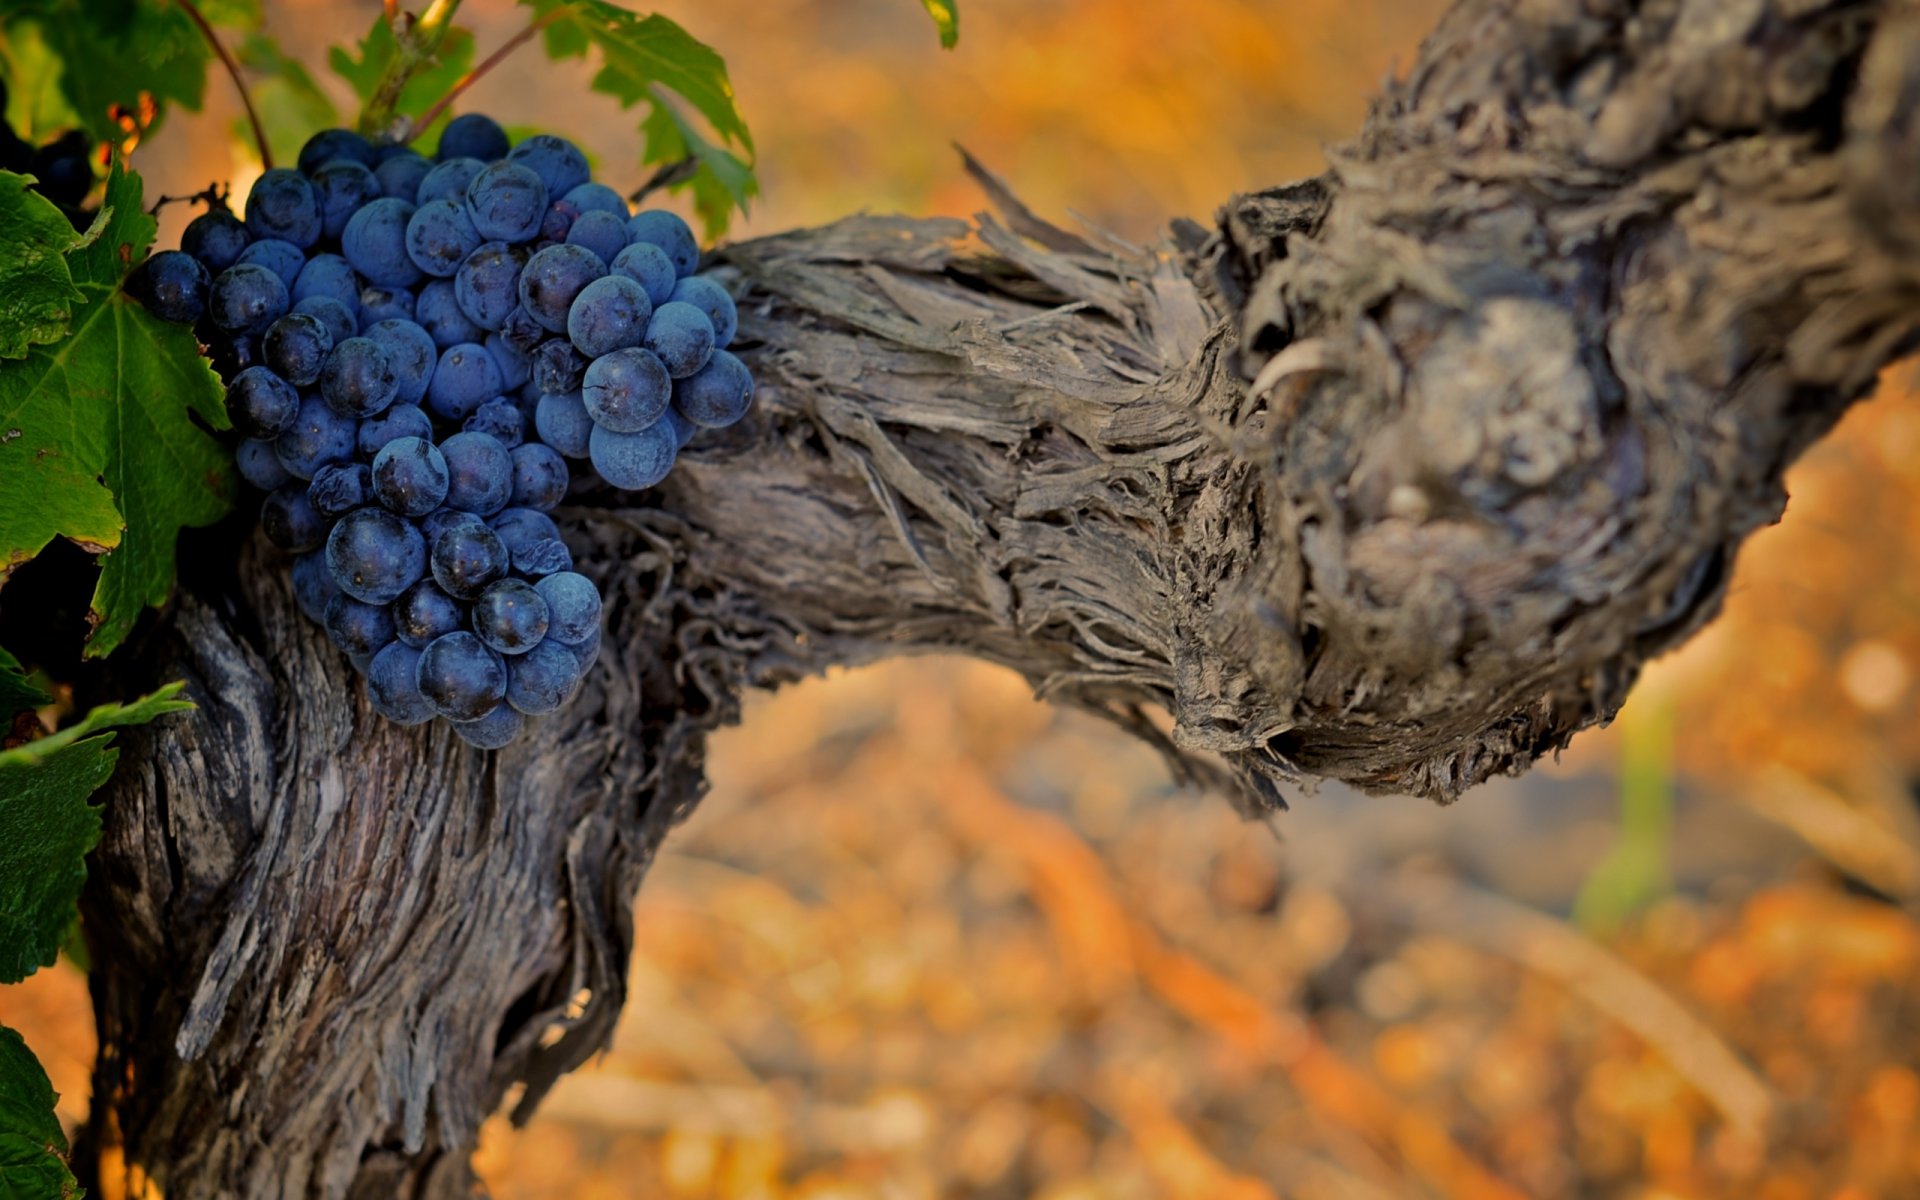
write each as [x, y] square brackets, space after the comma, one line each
[1395, 477]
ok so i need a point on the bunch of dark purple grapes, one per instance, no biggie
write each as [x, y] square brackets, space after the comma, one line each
[415, 350]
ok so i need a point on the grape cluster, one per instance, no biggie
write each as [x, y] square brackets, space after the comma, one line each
[424, 356]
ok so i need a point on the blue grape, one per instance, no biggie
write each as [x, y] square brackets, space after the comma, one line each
[558, 162]
[573, 607]
[359, 628]
[401, 174]
[411, 351]
[377, 432]
[410, 476]
[339, 488]
[609, 314]
[440, 520]
[343, 187]
[173, 285]
[261, 404]
[626, 391]
[438, 312]
[375, 242]
[359, 379]
[330, 144]
[282, 258]
[282, 205]
[439, 237]
[337, 317]
[466, 378]
[521, 527]
[597, 197]
[683, 429]
[543, 679]
[384, 304]
[602, 233]
[296, 346]
[713, 300]
[510, 616]
[716, 395]
[374, 555]
[259, 465]
[633, 461]
[246, 298]
[564, 423]
[647, 265]
[424, 612]
[682, 336]
[487, 285]
[393, 686]
[506, 202]
[318, 436]
[501, 420]
[557, 367]
[290, 521]
[547, 556]
[671, 234]
[216, 239]
[514, 367]
[551, 280]
[495, 731]
[539, 477]
[448, 181]
[557, 223]
[471, 135]
[481, 473]
[468, 557]
[312, 586]
[521, 331]
[331, 276]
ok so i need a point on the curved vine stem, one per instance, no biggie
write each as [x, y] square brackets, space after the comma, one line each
[233, 71]
[426, 119]
[416, 41]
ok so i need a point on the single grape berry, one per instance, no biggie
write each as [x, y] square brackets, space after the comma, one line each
[539, 477]
[501, 420]
[716, 395]
[510, 616]
[261, 403]
[440, 520]
[378, 432]
[481, 473]
[564, 423]
[471, 135]
[713, 300]
[339, 488]
[515, 367]
[384, 304]
[626, 391]
[633, 461]
[375, 242]
[448, 181]
[506, 201]
[282, 205]
[671, 234]
[601, 233]
[495, 731]
[259, 465]
[597, 197]
[318, 436]
[558, 162]
[468, 557]
[543, 679]
[401, 174]
[558, 367]
[683, 429]
[344, 187]
[487, 285]
[331, 276]
[393, 685]
[609, 314]
[296, 346]
[216, 238]
[547, 556]
[410, 351]
[682, 336]
[466, 378]
[521, 331]
[520, 527]
[290, 521]
[424, 612]
[437, 311]
[374, 555]
[246, 298]
[282, 258]
[551, 280]
[330, 144]
[573, 607]
[410, 476]
[173, 286]
[359, 628]
[439, 237]
[647, 265]
[359, 379]
[312, 586]
[337, 317]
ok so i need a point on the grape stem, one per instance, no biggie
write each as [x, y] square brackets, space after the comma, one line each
[416, 40]
[427, 118]
[233, 71]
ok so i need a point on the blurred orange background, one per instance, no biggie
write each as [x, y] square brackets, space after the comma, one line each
[929, 938]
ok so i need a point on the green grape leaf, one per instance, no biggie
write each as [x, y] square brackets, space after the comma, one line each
[946, 18]
[47, 827]
[117, 53]
[290, 104]
[97, 438]
[36, 105]
[33, 1147]
[641, 60]
[37, 296]
[432, 80]
[17, 692]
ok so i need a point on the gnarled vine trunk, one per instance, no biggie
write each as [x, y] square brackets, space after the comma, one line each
[1395, 477]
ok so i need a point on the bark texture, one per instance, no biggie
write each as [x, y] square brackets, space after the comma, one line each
[1396, 476]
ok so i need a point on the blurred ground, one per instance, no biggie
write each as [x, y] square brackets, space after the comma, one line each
[929, 938]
